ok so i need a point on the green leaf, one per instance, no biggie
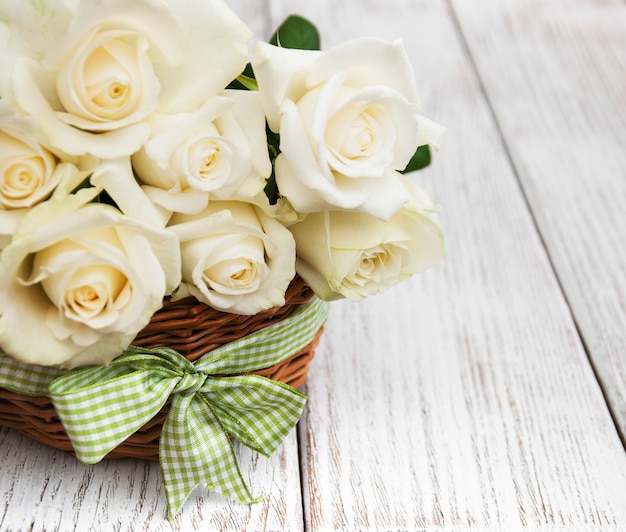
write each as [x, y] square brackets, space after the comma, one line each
[420, 159]
[102, 197]
[248, 82]
[245, 80]
[271, 189]
[296, 32]
[273, 147]
[85, 183]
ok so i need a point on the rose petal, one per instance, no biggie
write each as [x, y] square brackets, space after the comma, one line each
[215, 47]
[116, 177]
[368, 61]
[150, 18]
[250, 118]
[281, 74]
[429, 132]
[189, 201]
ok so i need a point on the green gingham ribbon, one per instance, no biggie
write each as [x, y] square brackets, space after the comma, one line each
[100, 406]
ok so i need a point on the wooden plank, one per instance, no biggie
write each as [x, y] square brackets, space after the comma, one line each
[46, 489]
[463, 399]
[565, 63]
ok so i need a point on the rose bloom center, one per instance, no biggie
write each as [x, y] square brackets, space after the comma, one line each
[21, 179]
[86, 298]
[210, 157]
[93, 290]
[362, 138]
[233, 273]
[112, 91]
[205, 160]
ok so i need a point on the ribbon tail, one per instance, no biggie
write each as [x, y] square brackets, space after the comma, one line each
[195, 449]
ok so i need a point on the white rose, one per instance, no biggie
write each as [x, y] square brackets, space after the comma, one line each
[348, 121]
[354, 255]
[79, 281]
[95, 71]
[218, 151]
[30, 172]
[234, 257]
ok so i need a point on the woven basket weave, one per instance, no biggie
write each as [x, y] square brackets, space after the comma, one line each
[189, 327]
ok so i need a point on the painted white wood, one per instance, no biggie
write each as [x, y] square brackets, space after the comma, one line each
[555, 74]
[45, 489]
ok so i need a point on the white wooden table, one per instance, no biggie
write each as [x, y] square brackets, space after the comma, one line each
[486, 394]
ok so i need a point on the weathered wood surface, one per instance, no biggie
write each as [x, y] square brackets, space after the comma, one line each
[465, 398]
[565, 65]
[45, 489]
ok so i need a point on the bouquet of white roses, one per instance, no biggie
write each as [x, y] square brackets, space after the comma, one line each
[142, 158]
[130, 171]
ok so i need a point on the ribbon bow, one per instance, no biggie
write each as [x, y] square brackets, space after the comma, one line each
[101, 406]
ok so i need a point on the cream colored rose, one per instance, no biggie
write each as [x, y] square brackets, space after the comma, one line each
[30, 172]
[354, 255]
[234, 257]
[95, 71]
[348, 121]
[79, 281]
[218, 151]
[27, 172]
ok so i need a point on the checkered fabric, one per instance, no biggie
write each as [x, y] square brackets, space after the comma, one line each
[27, 379]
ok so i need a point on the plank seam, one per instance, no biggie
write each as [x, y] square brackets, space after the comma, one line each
[304, 506]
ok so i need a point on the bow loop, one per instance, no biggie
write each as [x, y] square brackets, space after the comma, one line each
[102, 406]
[257, 411]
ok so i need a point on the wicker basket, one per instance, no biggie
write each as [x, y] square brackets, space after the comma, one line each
[192, 329]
